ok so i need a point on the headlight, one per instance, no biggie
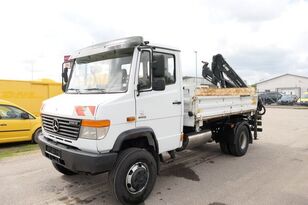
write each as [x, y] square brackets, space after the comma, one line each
[94, 129]
[93, 133]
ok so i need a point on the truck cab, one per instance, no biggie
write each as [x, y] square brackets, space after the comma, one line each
[117, 94]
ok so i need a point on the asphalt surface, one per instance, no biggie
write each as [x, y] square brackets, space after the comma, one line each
[274, 171]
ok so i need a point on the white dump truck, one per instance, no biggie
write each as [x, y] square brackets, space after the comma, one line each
[125, 105]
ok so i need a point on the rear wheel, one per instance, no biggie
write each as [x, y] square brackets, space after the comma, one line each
[134, 175]
[241, 141]
[224, 147]
[62, 169]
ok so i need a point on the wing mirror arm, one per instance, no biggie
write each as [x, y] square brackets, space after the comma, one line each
[138, 89]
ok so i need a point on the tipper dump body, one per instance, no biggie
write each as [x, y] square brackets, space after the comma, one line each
[204, 103]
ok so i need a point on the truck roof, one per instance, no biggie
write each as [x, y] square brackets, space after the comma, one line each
[122, 43]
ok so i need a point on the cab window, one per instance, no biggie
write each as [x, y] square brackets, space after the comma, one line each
[169, 67]
[144, 76]
[11, 112]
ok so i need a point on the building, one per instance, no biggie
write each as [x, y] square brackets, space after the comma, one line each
[29, 94]
[286, 84]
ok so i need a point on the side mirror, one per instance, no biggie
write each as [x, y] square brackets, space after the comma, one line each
[64, 75]
[24, 115]
[159, 84]
[63, 87]
[64, 78]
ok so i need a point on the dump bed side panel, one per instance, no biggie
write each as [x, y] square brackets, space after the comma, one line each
[210, 103]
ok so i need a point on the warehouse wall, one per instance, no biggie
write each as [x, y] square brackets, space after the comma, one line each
[28, 94]
[286, 83]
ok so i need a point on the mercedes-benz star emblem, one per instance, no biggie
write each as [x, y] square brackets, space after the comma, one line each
[55, 125]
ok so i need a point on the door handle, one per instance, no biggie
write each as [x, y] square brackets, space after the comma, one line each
[176, 102]
[3, 124]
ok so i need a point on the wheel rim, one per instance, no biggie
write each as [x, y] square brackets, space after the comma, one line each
[137, 178]
[243, 140]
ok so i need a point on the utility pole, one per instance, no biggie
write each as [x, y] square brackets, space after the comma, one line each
[196, 55]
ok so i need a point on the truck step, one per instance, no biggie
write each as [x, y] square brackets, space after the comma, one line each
[167, 158]
[259, 129]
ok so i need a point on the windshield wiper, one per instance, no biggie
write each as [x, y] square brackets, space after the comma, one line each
[96, 89]
[74, 89]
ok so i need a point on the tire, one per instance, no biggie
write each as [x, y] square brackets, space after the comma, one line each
[224, 147]
[133, 176]
[241, 141]
[36, 135]
[63, 170]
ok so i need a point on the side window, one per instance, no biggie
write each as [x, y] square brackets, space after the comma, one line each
[10, 112]
[169, 67]
[125, 69]
[144, 75]
[3, 112]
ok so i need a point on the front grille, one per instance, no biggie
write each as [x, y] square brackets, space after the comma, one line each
[67, 128]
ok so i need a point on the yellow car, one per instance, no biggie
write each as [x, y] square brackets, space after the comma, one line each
[303, 100]
[17, 124]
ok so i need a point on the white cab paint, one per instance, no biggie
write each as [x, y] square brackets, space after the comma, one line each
[155, 109]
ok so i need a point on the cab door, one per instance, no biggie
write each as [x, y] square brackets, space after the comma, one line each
[13, 127]
[160, 110]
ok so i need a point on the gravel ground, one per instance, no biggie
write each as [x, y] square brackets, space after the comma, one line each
[274, 171]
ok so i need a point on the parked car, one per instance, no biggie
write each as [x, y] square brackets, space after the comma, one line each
[270, 97]
[303, 100]
[287, 100]
[17, 124]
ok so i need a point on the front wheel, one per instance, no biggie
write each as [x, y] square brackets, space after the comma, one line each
[134, 175]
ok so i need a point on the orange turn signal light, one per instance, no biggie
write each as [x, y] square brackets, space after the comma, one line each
[130, 119]
[95, 123]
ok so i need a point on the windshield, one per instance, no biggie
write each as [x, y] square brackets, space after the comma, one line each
[98, 74]
[286, 97]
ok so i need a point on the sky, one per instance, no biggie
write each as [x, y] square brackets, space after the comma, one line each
[260, 39]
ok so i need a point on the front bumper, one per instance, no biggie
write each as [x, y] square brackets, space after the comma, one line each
[77, 160]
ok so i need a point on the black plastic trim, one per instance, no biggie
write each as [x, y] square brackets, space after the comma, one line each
[134, 134]
[79, 161]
